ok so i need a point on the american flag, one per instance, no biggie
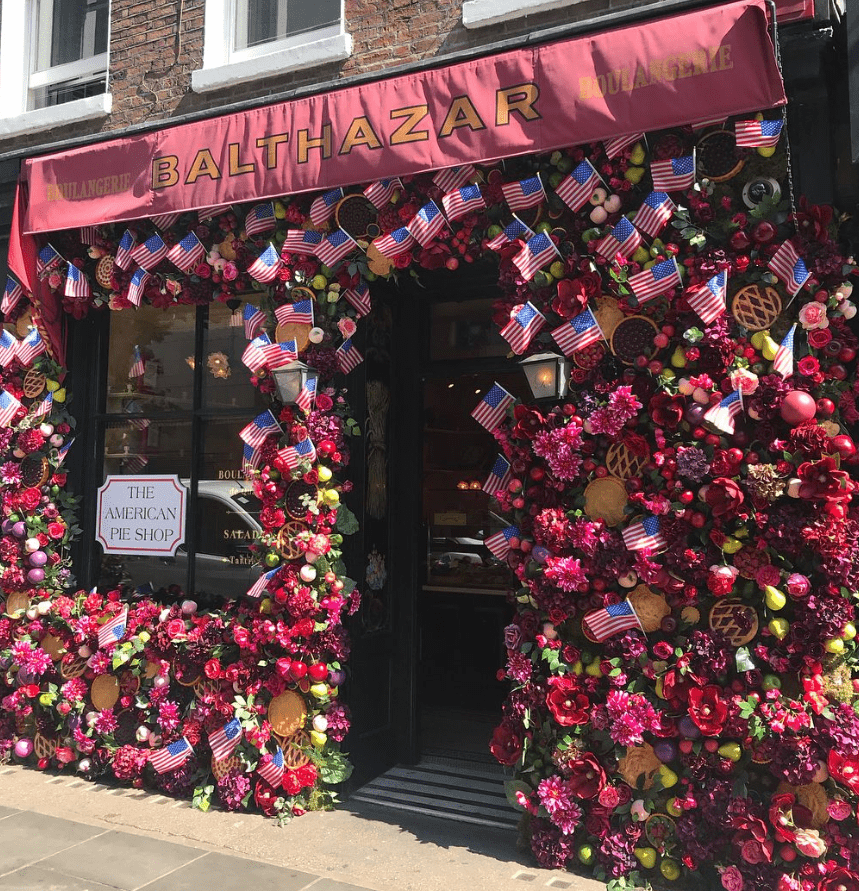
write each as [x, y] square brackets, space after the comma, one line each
[8, 346]
[292, 456]
[348, 357]
[790, 268]
[538, 251]
[127, 243]
[138, 366]
[498, 477]
[185, 253]
[206, 213]
[427, 223]
[654, 213]
[277, 355]
[172, 756]
[490, 411]
[259, 429]
[164, 220]
[324, 205]
[47, 259]
[150, 253]
[709, 299]
[525, 193]
[576, 190]
[11, 295]
[87, 234]
[223, 742]
[624, 239]
[673, 175]
[613, 147]
[300, 312]
[783, 362]
[135, 463]
[260, 585]
[523, 327]
[499, 543]
[137, 286]
[453, 177]
[30, 347]
[254, 319]
[77, 284]
[300, 241]
[254, 354]
[334, 247]
[603, 623]
[644, 533]
[461, 201]
[266, 266]
[512, 231]
[650, 283]
[9, 406]
[114, 630]
[394, 243]
[722, 415]
[307, 395]
[260, 219]
[359, 298]
[251, 458]
[63, 450]
[42, 408]
[271, 768]
[383, 191]
[580, 332]
[755, 134]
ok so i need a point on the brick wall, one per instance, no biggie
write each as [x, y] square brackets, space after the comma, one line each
[156, 44]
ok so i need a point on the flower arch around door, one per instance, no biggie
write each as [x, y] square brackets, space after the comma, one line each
[682, 529]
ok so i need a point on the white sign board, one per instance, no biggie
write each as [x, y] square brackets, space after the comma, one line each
[141, 515]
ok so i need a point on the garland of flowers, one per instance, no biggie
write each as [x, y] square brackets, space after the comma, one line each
[717, 732]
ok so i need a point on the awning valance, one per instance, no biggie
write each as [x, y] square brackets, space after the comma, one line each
[707, 63]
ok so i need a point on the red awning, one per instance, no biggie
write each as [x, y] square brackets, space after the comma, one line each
[707, 63]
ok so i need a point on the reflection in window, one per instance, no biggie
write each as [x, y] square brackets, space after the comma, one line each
[262, 21]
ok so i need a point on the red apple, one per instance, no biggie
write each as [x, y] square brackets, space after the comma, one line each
[298, 670]
[318, 671]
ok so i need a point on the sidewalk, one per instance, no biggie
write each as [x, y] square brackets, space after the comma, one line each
[60, 833]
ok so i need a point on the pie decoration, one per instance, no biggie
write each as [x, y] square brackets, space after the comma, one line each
[608, 314]
[35, 470]
[53, 646]
[590, 356]
[606, 498]
[736, 620]
[377, 262]
[104, 271]
[44, 746]
[34, 383]
[659, 829]
[756, 307]
[622, 462]
[650, 607]
[717, 157]
[632, 338]
[104, 691]
[294, 750]
[749, 560]
[639, 761]
[287, 540]
[297, 496]
[354, 214]
[72, 666]
[287, 713]
[812, 796]
[15, 601]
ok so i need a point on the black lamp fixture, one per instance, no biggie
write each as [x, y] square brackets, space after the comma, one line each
[548, 375]
[291, 380]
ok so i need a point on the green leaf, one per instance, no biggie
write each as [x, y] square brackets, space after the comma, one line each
[334, 768]
[347, 522]
[511, 787]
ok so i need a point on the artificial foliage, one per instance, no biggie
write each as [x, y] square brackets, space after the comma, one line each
[715, 736]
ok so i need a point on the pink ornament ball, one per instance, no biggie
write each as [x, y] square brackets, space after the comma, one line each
[24, 748]
[38, 559]
[36, 576]
[798, 406]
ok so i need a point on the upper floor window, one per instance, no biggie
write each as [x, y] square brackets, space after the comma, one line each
[53, 63]
[244, 40]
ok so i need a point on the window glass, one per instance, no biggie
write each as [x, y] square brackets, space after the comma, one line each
[226, 380]
[261, 21]
[141, 445]
[70, 30]
[151, 361]
[465, 331]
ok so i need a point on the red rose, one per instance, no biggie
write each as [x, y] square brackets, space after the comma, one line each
[568, 707]
[707, 709]
[529, 422]
[840, 879]
[212, 669]
[808, 366]
[30, 498]
[506, 746]
[823, 481]
[586, 776]
[666, 411]
[818, 338]
[175, 628]
[844, 770]
[752, 840]
[265, 798]
[724, 496]
[56, 530]
[291, 783]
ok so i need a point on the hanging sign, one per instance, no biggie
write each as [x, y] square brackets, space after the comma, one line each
[141, 515]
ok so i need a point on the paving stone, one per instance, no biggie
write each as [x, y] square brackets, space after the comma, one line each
[122, 860]
[28, 837]
[331, 885]
[36, 878]
[233, 874]
[7, 811]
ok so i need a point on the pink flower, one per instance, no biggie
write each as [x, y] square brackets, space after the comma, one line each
[347, 326]
[229, 272]
[809, 843]
[813, 315]
[732, 879]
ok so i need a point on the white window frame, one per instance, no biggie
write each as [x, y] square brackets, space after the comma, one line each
[482, 13]
[224, 65]
[18, 55]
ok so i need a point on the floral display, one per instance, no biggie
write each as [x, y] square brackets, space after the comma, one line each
[682, 534]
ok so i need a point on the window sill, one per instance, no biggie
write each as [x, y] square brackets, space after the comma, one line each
[57, 115]
[480, 13]
[308, 55]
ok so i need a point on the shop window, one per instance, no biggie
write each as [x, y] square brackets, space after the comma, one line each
[176, 397]
[54, 63]
[247, 39]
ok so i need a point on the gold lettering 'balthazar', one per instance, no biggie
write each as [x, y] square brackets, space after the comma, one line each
[708, 60]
